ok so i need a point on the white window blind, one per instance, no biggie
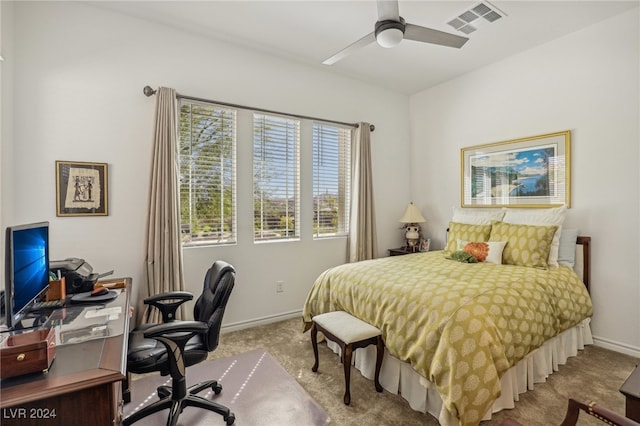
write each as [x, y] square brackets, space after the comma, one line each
[207, 173]
[331, 180]
[276, 177]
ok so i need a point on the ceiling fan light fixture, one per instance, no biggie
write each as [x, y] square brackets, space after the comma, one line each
[389, 33]
[390, 38]
[391, 29]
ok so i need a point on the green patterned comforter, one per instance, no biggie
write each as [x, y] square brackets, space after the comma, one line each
[459, 325]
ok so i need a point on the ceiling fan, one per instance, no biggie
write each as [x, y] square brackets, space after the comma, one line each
[391, 29]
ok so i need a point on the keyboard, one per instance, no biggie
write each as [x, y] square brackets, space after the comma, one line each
[47, 305]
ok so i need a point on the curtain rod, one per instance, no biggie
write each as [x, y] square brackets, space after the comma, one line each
[148, 91]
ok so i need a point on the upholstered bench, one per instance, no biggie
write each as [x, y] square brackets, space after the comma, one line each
[349, 333]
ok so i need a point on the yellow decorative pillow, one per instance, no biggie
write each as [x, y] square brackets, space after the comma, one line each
[527, 245]
[540, 217]
[467, 232]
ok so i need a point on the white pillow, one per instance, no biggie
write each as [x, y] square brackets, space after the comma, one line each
[538, 217]
[476, 216]
[567, 250]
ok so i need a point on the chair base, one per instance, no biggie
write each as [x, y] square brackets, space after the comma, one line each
[176, 406]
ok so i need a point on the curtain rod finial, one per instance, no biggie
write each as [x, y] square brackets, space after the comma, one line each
[148, 91]
[371, 126]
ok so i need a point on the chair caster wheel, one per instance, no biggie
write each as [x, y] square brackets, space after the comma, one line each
[217, 389]
[230, 419]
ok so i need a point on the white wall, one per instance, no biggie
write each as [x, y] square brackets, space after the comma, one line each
[6, 113]
[586, 82]
[79, 74]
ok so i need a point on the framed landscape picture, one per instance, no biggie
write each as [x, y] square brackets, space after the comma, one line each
[526, 172]
[81, 189]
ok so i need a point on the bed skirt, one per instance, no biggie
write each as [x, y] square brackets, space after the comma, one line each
[399, 378]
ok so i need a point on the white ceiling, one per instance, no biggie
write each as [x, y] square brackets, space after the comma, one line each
[311, 31]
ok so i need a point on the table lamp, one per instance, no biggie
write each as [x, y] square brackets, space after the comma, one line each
[411, 220]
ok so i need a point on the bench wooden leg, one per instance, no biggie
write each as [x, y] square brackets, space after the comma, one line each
[347, 373]
[379, 355]
[314, 344]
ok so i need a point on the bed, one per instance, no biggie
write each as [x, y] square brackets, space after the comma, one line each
[462, 340]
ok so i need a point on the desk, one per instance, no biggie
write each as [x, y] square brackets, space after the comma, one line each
[82, 387]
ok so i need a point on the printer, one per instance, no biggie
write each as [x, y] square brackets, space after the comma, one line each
[78, 274]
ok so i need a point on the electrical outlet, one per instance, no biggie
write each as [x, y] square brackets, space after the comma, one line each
[279, 286]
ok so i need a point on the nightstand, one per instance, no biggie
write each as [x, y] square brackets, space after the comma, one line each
[400, 251]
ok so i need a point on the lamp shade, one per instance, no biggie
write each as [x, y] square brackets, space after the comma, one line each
[412, 215]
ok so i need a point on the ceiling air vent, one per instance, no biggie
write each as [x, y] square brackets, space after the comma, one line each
[470, 20]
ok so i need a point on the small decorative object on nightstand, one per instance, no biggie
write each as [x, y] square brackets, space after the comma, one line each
[411, 220]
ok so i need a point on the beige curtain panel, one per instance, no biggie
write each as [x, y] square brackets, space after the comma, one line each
[362, 226]
[164, 254]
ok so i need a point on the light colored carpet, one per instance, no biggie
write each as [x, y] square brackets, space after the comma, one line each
[595, 374]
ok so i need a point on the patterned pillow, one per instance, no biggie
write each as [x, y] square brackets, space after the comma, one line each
[527, 245]
[467, 232]
[540, 217]
[490, 251]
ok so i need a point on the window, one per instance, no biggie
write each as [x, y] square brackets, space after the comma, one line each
[331, 180]
[276, 177]
[207, 157]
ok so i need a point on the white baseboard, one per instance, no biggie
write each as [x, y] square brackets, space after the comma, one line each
[616, 346]
[241, 325]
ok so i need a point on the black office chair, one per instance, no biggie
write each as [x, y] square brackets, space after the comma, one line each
[173, 345]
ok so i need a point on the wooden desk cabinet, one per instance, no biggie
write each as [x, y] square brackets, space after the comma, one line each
[82, 387]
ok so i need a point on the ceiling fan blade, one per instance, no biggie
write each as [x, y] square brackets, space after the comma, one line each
[388, 10]
[429, 35]
[364, 41]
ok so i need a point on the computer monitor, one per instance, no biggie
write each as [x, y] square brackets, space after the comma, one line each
[26, 268]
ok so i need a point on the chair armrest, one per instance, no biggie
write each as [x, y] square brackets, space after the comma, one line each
[608, 416]
[184, 295]
[168, 309]
[174, 336]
